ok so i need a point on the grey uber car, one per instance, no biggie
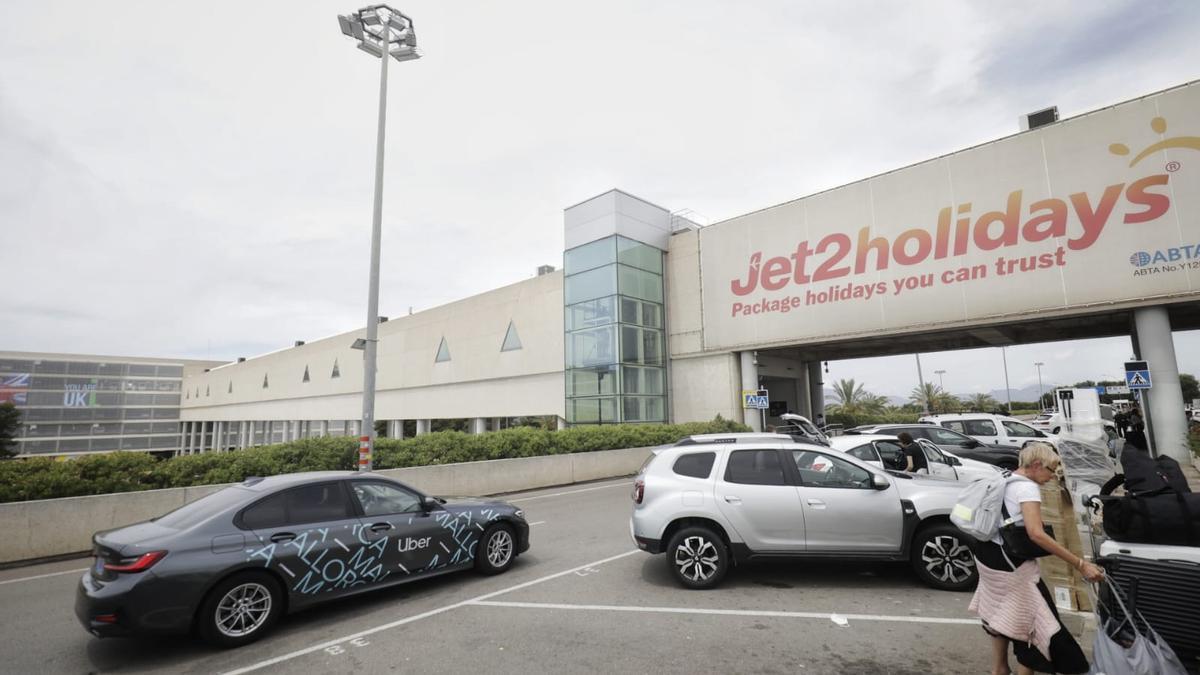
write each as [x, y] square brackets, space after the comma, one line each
[228, 565]
[709, 507]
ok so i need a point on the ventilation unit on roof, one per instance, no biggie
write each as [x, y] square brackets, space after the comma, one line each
[1040, 118]
[544, 269]
[241, 359]
[299, 343]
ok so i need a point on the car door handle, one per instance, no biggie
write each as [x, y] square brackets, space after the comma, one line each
[817, 503]
[282, 536]
[381, 527]
[733, 500]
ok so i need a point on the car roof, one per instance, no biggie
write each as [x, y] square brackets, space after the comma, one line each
[283, 480]
[840, 442]
[734, 437]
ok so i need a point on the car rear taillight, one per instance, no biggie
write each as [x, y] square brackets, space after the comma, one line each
[139, 564]
[639, 491]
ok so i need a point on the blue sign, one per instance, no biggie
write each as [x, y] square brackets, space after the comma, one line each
[755, 399]
[1138, 379]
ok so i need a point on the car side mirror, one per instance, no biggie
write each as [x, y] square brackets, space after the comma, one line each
[431, 504]
[972, 443]
[954, 461]
[880, 482]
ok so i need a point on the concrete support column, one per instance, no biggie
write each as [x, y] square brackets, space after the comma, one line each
[478, 425]
[296, 430]
[496, 422]
[396, 429]
[323, 428]
[216, 436]
[1166, 423]
[560, 423]
[749, 366]
[423, 426]
[816, 391]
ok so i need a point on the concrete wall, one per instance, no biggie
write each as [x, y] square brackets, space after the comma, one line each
[704, 387]
[52, 527]
[411, 385]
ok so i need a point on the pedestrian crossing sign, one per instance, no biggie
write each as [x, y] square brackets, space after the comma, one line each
[1138, 379]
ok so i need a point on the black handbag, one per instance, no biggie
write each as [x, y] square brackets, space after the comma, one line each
[1016, 539]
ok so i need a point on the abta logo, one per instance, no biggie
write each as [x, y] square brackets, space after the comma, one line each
[1140, 259]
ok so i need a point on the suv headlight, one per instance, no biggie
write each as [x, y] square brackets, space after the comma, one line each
[520, 513]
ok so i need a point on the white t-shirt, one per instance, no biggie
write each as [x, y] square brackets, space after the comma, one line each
[1019, 489]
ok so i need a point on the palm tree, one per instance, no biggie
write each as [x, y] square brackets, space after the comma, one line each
[934, 399]
[982, 402]
[851, 397]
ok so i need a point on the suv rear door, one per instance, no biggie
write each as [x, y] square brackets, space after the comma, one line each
[842, 509]
[758, 499]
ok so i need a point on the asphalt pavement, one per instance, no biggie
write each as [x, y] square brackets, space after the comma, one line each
[581, 600]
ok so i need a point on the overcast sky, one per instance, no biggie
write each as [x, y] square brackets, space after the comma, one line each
[195, 180]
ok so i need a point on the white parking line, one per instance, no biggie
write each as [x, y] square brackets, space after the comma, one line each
[571, 492]
[729, 612]
[424, 615]
[43, 576]
[540, 522]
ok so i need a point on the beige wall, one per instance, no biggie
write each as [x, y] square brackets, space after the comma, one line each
[478, 381]
[703, 387]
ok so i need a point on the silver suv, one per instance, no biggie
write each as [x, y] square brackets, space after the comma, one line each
[712, 505]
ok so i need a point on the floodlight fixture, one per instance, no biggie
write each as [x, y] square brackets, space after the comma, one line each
[379, 29]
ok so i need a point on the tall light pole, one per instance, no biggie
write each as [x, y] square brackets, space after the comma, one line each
[1007, 389]
[924, 392]
[381, 32]
[1039, 365]
[941, 383]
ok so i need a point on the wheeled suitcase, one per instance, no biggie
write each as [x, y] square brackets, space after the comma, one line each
[1166, 593]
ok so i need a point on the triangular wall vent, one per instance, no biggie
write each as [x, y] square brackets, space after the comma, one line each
[231, 386]
[336, 372]
[443, 353]
[305, 378]
[265, 382]
[512, 341]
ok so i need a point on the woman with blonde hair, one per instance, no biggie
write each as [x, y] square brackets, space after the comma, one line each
[1011, 599]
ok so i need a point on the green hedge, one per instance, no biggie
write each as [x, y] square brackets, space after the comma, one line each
[45, 478]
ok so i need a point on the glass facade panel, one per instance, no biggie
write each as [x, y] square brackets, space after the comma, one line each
[591, 284]
[643, 408]
[595, 254]
[641, 345]
[640, 380]
[592, 411]
[639, 255]
[641, 313]
[599, 312]
[141, 369]
[639, 284]
[592, 347]
[592, 381]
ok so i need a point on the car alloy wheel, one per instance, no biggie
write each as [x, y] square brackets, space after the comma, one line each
[947, 559]
[499, 548]
[697, 559]
[243, 610]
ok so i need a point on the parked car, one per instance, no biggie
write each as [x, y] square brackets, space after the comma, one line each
[884, 452]
[231, 563]
[997, 430]
[948, 440]
[800, 428]
[712, 506]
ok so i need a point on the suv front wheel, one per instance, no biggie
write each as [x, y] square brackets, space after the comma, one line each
[697, 557]
[942, 557]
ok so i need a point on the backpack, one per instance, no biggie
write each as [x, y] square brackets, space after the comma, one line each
[977, 511]
[1145, 474]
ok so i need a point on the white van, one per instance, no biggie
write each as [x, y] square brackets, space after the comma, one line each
[999, 430]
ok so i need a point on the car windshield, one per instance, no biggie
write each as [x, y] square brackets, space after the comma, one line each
[202, 509]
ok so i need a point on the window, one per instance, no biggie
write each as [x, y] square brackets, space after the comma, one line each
[641, 312]
[588, 256]
[336, 373]
[754, 467]
[639, 284]
[595, 381]
[957, 426]
[642, 408]
[820, 470]
[317, 503]
[512, 341]
[380, 499]
[979, 427]
[267, 513]
[306, 377]
[592, 347]
[639, 255]
[266, 383]
[592, 410]
[893, 456]
[943, 437]
[598, 312]
[864, 452]
[198, 511]
[443, 352]
[641, 345]
[590, 285]
[1019, 430]
[696, 465]
[641, 380]
[932, 453]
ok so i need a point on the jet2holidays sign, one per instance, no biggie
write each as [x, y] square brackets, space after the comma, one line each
[1100, 208]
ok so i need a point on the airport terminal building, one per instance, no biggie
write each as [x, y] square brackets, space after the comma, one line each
[1084, 227]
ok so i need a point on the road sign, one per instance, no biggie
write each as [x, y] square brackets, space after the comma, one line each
[1113, 390]
[755, 400]
[1137, 375]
